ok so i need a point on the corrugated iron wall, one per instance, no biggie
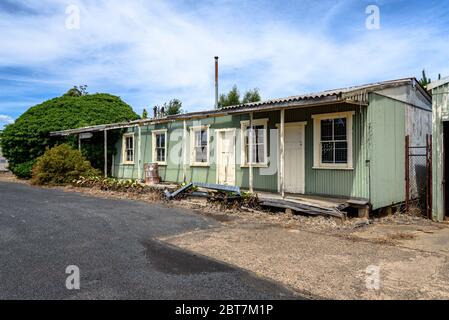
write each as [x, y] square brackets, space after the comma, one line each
[345, 183]
[386, 118]
[440, 113]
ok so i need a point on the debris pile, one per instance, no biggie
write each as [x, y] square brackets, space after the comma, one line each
[232, 198]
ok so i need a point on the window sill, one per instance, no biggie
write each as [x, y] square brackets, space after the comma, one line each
[332, 168]
[200, 165]
[161, 163]
[258, 165]
[127, 163]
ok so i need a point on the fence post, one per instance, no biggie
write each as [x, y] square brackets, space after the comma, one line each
[429, 175]
[407, 172]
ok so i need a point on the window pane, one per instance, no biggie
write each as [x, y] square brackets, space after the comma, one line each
[160, 140]
[203, 137]
[129, 155]
[201, 154]
[326, 130]
[259, 134]
[129, 143]
[341, 152]
[340, 129]
[258, 144]
[197, 138]
[160, 154]
[260, 154]
[327, 152]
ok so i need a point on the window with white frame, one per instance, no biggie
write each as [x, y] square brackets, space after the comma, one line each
[333, 140]
[160, 146]
[258, 137]
[128, 149]
[200, 146]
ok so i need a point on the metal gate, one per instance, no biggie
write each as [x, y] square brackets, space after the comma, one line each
[418, 176]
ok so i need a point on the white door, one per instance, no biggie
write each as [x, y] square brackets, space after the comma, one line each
[294, 159]
[226, 157]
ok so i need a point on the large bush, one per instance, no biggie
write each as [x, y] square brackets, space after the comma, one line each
[61, 165]
[26, 139]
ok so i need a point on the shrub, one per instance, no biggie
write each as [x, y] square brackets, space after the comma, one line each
[27, 138]
[61, 165]
[22, 170]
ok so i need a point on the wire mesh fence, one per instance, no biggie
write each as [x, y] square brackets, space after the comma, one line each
[418, 177]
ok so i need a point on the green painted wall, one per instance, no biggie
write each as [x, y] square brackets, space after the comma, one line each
[345, 183]
[386, 119]
[378, 152]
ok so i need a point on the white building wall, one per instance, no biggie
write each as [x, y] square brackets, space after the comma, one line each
[3, 162]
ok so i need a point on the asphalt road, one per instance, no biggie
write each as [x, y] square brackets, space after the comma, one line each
[114, 244]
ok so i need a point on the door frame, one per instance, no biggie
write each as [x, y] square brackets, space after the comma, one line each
[301, 125]
[217, 148]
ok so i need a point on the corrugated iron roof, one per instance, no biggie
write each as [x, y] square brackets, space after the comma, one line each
[438, 83]
[355, 94]
[348, 92]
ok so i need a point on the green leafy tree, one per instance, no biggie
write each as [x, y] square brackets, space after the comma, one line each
[251, 96]
[232, 98]
[173, 107]
[77, 91]
[26, 139]
[424, 81]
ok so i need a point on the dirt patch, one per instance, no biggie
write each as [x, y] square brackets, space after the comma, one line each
[9, 177]
[328, 266]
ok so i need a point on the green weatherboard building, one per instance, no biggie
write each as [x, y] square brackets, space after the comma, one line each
[347, 143]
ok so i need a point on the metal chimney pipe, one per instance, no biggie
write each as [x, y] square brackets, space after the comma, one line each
[216, 82]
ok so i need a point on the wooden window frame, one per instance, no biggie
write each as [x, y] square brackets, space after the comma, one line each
[317, 156]
[153, 144]
[124, 150]
[193, 162]
[243, 130]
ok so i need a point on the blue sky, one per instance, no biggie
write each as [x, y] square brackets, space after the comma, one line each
[148, 52]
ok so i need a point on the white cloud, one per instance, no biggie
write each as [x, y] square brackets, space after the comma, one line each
[4, 120]
[150, 52]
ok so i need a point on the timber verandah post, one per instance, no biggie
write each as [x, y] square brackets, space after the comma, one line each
[105, 153]
[184, 152]
[282, 155]
[139, 152]
[429, 175]
[250, 151]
